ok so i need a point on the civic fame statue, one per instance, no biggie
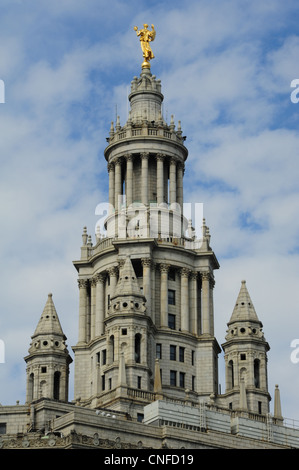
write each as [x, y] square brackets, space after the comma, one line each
[146, 37]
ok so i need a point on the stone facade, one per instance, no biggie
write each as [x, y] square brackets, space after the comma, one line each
[146, 359]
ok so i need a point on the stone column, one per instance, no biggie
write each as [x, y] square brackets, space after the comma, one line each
[160, 178]
[111, 172]
[185, 299]
[263, 372]
[164, 294]
[129, 179]
[250, 368]
[144, 178]
[146, 263]
[100, 305]
[82, 283]
[205, 276]
[212, 284]
[36, 382]
[63, 393]
[118, 184]
[172, 181]
[93, 308]
[235, 358]
[199, 301]
[113, 280]
[193, 304]
[50, 381]
[153, 284]
[180, 173]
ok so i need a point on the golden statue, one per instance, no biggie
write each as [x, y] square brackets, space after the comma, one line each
[146, 37]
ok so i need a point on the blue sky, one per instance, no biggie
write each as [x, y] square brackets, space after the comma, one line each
[226, 69]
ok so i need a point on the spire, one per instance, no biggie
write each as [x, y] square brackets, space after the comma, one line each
[127, 283]
[277, 404]
[49, 322]
[244, 309]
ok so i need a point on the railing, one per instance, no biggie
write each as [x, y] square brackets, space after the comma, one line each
[145, 131]
[107, 242]
[136, 393]
[291, 423]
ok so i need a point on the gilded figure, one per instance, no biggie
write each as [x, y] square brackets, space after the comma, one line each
[146, 37]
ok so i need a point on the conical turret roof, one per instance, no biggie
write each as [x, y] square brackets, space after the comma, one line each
[127, 283]
[49, 322]
[244, 309]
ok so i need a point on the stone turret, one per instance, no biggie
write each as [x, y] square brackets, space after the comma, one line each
[48, 360]
[246, 358]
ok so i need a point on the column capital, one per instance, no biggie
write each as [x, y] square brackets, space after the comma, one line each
[110, 166]
[100, 277]
[164, 268]
[160, 157]
[146, 262]
[144, 155]
[185, 272]
[129, 157]
[82, 283]
[205, 275]
[93, 281]
[112, 271]
[194, 275]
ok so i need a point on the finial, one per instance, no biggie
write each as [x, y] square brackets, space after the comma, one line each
[172, 126]
[117, 126]
[111, 129]
[146, 37]
[179, 131]
[98, 232]
[84, 235]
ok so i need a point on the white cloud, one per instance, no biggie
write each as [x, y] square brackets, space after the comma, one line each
[226, 69]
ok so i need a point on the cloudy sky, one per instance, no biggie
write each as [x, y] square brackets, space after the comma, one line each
[226, 68]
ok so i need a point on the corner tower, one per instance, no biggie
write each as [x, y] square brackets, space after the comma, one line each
[166, 311]
[246, 358]
[48, 360]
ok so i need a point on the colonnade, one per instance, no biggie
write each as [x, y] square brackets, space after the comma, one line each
[196, 301]
[194, 313]
[122, 170]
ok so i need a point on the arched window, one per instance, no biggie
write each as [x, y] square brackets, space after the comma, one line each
[256, 368]
[137, 347]
[56, 385]
[111, 349]
[30, 387]
[230, 371]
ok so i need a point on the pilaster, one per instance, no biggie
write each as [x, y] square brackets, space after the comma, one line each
[164, 268]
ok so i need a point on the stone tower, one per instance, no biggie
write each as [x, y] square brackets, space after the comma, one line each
[48, 360]
[246, 358]
[146, 287]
